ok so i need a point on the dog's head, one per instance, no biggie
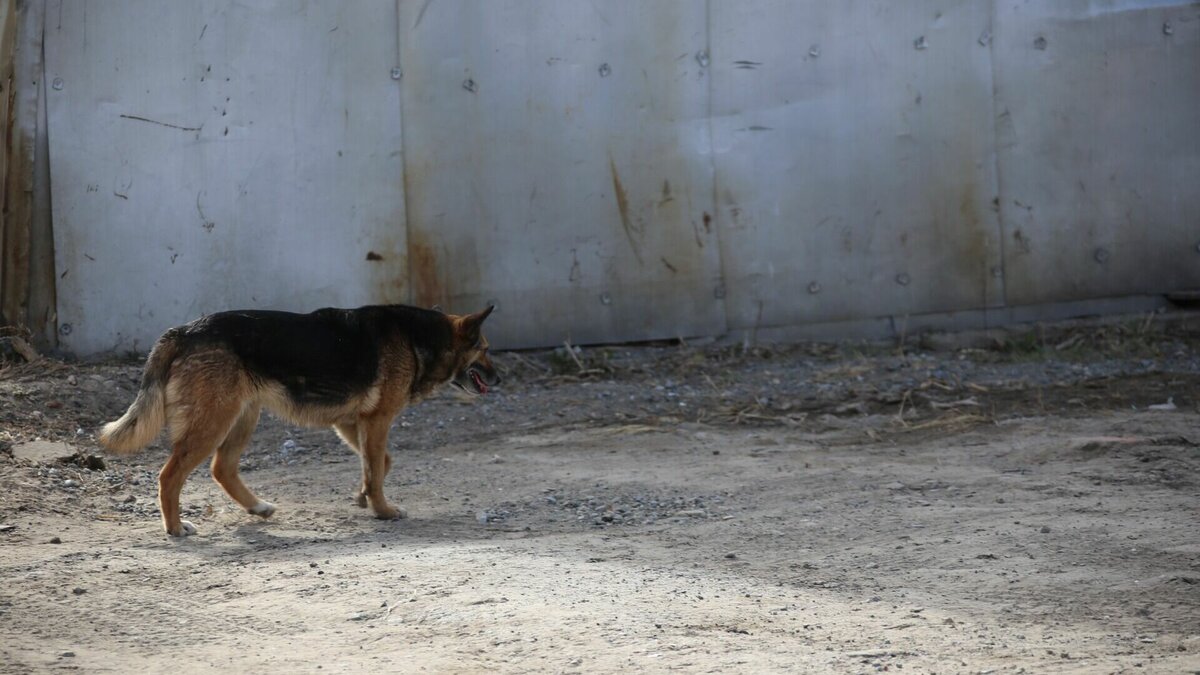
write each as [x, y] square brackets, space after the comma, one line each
[473, 370]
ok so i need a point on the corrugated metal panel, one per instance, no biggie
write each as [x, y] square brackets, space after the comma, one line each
[620, 170]
[855, 159]
[1099, 129]
[557, 162]
[209, 155]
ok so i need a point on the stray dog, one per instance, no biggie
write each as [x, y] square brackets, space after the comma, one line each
[351, 369]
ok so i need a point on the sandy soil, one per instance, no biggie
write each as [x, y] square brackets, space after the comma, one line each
[808, 509]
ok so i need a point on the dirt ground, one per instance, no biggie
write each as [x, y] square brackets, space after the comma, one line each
[1032, 505]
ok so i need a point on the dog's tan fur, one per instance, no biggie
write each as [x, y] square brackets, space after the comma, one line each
[211, 404]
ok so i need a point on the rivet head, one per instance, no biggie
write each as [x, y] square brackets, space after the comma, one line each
[1101, 255]
[65, 329]
[814, 288]
[814, 51]
[470, 85]
[1039, 43]
[702, 58]
[57, 84]
[605, 299]
[1168, 29]
[605, 70]
[397, 73]
[920, 43]
[903, 279]
[719, 291]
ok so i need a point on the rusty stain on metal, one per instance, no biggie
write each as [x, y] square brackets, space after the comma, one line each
[426, 276]
[623, 209]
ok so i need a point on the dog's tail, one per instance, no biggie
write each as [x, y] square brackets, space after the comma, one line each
[148, 412]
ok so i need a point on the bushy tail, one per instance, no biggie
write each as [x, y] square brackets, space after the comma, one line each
[148, 413]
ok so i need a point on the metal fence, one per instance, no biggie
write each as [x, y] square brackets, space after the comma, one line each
[620, 170]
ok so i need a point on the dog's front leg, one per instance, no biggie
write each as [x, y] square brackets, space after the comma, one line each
[372, 441]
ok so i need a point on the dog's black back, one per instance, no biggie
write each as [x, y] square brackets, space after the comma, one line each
[323, 357]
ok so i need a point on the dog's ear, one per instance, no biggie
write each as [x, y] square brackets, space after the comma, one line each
[471, 325]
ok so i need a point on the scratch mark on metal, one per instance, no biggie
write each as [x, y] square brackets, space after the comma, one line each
[205, 222]
[202, 31]
[575, 273]
[421, 14]
[623, 209]
[668, 264]
[161, 124]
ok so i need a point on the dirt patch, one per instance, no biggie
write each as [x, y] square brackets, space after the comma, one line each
[701, 509]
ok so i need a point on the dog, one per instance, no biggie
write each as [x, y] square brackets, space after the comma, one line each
[351, 369]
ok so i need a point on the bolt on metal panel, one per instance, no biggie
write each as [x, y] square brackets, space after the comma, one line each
[1099, 152]
[557, 161]
[208, 156]
[855, 159]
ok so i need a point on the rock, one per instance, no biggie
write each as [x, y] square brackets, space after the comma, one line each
[43, 452]
[895, 485]
[86, 461]
[129, 499]
[359, 616]
[79, 591]
[1045, 529]
[731, 556]
[70, 483]
[55, 540]
[67, 655]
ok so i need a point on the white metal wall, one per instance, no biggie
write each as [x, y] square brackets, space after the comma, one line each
[213, 155]
[620, 170]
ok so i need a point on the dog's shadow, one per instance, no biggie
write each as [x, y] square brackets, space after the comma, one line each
[280, 540]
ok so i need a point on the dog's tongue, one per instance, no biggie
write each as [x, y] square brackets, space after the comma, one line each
[478, 382]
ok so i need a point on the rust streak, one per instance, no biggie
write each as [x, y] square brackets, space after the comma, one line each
[623, 209]
[422, 259]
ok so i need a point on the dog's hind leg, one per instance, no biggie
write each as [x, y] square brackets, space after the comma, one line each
[372, 443]
[208, 427]
[225, 465]
[204, 400]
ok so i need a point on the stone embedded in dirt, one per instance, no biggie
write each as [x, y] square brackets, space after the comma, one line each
[70, 483]
[43, 452]
[55, 540]
[129, 499]
[67, 655]
[731, 556]
[1045, 529]
[896, 485]
[79, 591]
[86, 461]
[359, 616]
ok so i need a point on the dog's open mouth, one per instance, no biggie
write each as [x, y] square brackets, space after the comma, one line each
[477, 381]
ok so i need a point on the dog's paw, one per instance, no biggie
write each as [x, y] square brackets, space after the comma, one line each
[361, 500]
[390, 513]
[185, 529]
[262, 509]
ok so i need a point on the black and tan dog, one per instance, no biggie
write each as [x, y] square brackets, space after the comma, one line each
[352, 369]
